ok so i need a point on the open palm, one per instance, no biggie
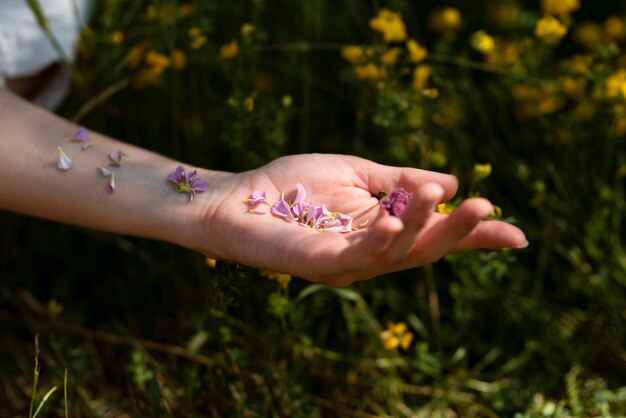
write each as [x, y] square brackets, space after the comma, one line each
[380, 244]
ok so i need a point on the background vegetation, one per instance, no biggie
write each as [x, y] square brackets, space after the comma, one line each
[532, 92]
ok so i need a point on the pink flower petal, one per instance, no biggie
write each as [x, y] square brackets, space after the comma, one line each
[301, 195]
[105, 171]
[282, 209]
[111, 187]
[64, 163]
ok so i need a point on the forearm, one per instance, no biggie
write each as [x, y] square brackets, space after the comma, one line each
[143, 204]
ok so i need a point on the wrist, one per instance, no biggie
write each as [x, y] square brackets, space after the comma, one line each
[194, 222]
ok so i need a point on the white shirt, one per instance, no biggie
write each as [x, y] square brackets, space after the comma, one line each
[25, 49]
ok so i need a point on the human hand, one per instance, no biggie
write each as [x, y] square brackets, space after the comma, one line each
[382, 243]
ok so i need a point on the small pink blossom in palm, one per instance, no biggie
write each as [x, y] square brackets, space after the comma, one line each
[396, 202]
[64, 162]
[80, 136]
[257, 197]
[187, 182]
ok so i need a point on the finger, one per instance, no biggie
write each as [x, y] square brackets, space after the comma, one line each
[492, 235]
[374, 240]
[445, 235]
[378, 177]
[414, 218]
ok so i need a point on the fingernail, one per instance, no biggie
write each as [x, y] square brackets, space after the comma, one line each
[524, 245]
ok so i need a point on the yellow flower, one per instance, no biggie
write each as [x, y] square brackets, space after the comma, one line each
[353, 53]
[390, 25]
[444, 208]
[559, 7]
[369, 72]
[483, 42]
[135, 56]
[579, 65]
[198, 39]
[287, 100]
[616, 85]
[550, 29]
[282, 278]
[155, 65]
[157, 62]
[248, 104]
[444, 20]
[589, 35]
[396, 335]
[229, 50]
[574, 86]
[417, 53]
[179, 59]
[614, 27]
[390, 341]
[405, 340]
[421, 74]
[210, 262]
[390, 55]
[481, 171]
[117, 37]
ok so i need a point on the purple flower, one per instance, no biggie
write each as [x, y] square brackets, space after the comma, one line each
[187, 182]
[257, 197]
[116, 158]
[64, 163]
[396, 202]
[314, 216]
[80, 136]
[282, 209]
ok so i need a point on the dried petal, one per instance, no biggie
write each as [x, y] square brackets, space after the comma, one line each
[80, 136]
[64, 163]
[116, 158]
[105, 171]
[111, 187]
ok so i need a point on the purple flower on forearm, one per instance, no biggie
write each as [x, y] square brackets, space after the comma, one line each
[188, 182]
[64, 162]
[80, 136]
[396, 202]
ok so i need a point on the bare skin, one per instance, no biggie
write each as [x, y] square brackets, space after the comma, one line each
[216, 223]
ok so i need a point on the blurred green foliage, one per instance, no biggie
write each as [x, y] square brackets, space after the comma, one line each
[147, 329]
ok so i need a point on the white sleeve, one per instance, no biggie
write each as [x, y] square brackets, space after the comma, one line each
[26, 50]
